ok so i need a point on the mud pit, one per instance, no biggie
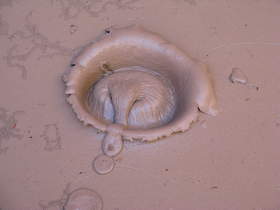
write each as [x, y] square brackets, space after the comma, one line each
[230, 161]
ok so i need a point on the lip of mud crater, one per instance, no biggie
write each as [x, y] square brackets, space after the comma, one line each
[135, 46]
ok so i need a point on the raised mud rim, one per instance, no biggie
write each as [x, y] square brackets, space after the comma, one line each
[202, 95]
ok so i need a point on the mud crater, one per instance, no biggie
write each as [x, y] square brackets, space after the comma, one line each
[134, 85]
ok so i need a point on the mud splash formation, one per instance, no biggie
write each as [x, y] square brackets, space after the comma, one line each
[135, 85]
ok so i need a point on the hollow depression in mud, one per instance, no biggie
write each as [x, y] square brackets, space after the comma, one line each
[136, 79]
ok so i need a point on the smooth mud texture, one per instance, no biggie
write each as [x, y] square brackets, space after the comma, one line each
[227, 162]
[83, 199]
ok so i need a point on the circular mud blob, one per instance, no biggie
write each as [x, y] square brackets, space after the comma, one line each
[136, 79]
[83, 199]
[103, 164]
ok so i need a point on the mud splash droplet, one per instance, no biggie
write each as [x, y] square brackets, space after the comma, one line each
[103, 164]
[83, 199]
[238, 76]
